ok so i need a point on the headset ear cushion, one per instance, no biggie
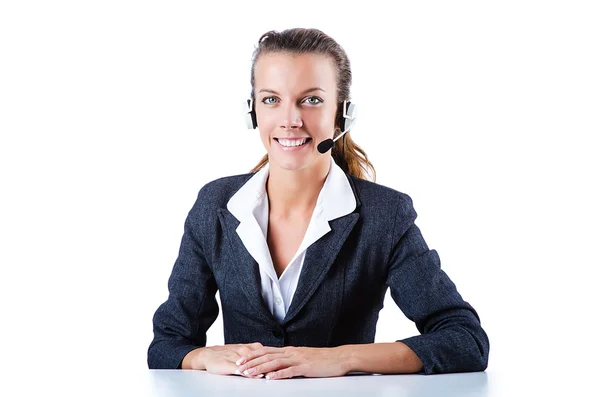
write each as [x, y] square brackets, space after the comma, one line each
[345, 123]
[251, 116]
[351, 113]
[250, 121]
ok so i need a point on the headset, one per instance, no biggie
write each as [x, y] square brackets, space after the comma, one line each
[346, 117]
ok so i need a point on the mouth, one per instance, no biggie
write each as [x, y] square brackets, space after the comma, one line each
[293, 143]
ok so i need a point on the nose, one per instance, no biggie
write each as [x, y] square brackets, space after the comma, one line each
[291, 117]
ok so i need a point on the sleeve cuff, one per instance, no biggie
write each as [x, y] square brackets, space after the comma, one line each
[170, 356]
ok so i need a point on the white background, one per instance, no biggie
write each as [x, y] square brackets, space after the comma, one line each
[114, 114]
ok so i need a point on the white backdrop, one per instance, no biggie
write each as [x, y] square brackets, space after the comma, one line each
[114, 114]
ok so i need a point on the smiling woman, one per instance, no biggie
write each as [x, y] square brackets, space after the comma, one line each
[303, 248]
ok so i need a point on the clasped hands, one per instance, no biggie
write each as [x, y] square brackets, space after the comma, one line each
[256, 361]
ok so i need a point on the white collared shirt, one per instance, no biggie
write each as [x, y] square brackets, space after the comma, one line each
[250, 205]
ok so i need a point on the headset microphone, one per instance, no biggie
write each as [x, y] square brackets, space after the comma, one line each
[347, 120]
[325, 146]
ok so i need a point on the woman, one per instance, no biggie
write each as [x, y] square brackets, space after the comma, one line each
[303, 248]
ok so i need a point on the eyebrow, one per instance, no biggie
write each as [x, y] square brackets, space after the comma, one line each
[302, 93]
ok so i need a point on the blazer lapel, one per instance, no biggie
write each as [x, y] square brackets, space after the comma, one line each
[246, 275]
[319, 258]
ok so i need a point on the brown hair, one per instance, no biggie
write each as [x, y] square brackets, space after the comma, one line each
[353, 160]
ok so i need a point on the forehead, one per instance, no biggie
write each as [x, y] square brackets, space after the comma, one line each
[290, 73]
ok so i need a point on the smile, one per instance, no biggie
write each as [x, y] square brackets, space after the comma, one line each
[292, 144]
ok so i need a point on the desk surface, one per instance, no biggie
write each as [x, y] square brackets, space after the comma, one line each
[111, 382]
[162, 383]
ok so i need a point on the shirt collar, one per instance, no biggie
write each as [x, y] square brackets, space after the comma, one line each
[336, 197]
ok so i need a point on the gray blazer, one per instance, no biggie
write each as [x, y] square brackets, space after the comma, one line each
[340, 292]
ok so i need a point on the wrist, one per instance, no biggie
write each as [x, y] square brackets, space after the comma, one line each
[194, 359]
[346, 358]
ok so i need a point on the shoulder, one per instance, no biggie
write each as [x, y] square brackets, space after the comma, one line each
[385, 207]
[375, 195]
[225, 186]
[216, 193]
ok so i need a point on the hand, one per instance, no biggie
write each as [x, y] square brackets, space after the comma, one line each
[287, 362]
[221, 360]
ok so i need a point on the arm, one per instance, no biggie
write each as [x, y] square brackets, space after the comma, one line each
[379, 358]
[451, 339]
[180, 323]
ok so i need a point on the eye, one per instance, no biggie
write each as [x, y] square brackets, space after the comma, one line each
[269, 100]
[313, 100]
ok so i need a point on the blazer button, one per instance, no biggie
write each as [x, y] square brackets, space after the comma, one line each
[277, 333]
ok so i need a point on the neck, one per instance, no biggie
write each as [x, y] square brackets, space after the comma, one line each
[294, 194]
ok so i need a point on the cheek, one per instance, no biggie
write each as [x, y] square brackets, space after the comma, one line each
[265, 135]
[321, 123]
[267, 121]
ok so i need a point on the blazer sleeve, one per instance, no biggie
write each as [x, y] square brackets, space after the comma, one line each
[452, 339]
[180, 323]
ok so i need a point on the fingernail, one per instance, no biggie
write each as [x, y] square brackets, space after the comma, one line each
[268, 377]
[237, 372]
[246, 372]
[260, 376]
[238, 362]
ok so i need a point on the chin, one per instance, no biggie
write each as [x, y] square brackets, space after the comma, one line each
[297, 164]
[290, 165]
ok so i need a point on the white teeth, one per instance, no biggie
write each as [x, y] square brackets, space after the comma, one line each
[292, 142]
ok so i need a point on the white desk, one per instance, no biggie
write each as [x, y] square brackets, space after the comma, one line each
[112, 382]
[163, 383]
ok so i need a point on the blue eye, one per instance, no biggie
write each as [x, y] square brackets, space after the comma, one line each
[314, 100]
[267, 100]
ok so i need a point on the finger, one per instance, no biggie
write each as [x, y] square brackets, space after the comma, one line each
[271, 366]
[252, 349]
[242, 357]
[230, 358]
[259, 352]
[242, 352]
[251, 363]
[236, 371]
[255, 376]
[285, 373]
